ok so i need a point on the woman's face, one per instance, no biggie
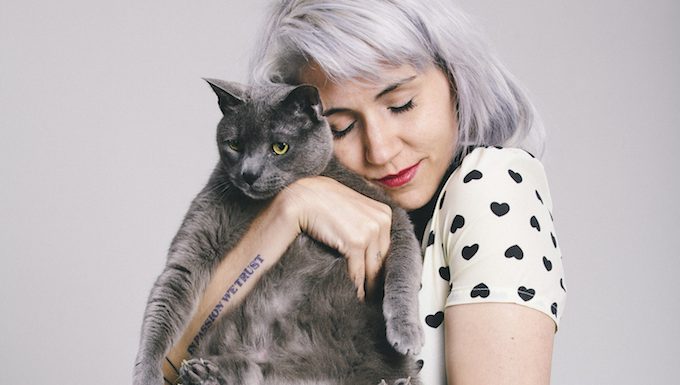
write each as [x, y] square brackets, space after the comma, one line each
[399, 134]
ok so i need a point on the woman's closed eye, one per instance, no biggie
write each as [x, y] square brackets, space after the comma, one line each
[403, 108]
[340, 133]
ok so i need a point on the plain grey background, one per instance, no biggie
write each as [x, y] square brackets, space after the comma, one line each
[107, 134]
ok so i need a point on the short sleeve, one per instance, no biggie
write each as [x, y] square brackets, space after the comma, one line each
[498, 237]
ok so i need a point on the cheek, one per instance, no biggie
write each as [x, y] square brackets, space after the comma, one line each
[438, 130]
[228, 157]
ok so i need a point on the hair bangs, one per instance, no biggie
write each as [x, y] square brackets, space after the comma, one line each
[342, 41]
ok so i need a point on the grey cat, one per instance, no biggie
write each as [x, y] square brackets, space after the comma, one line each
[302, 323]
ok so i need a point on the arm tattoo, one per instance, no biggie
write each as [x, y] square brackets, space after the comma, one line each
[233, 289]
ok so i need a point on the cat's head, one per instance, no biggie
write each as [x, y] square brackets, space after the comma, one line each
[270, 136]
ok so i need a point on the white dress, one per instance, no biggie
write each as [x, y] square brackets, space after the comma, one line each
[490, 239]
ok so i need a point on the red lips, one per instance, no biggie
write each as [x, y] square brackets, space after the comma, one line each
[401, 178]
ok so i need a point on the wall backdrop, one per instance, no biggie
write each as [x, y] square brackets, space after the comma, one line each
[106, 134]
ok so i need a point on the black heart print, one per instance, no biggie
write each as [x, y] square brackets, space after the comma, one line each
[526, 294]
[553, 309]
[434, 320]
[500, 209]
[441, 201]
[430, 239]
[515, 176]
[554, 241]
[445, 273]
[514, 252]
[458, 222]
[480, 290]
[470, 251]
[534, 223]
[547, 263]
[538, 196]
[474, 174]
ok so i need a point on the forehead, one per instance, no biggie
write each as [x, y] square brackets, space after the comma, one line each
[335, 90]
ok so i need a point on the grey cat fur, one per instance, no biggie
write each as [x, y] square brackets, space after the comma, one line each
[302, 323]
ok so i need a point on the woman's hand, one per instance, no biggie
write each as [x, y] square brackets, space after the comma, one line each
[355, 225]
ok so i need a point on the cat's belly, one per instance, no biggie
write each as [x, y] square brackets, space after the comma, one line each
[310, 279]
[306, 300]
[303, 320]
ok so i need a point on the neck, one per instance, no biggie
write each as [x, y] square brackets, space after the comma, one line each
[420, 216]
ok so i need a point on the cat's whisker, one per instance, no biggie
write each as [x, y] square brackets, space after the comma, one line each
[226, 188]
[221, 188]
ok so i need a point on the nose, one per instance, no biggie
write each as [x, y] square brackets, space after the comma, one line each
[249, 176]
[251, 169]
[381, 142]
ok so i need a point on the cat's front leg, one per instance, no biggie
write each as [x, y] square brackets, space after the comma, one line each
[403, 269]
[193, 255]
[170, 304]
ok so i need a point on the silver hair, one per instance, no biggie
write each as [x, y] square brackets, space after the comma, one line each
[357, 39]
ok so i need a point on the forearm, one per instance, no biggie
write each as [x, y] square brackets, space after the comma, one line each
[262, 245]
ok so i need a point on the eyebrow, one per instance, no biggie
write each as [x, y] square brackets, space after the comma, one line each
[380, 94]
[393, 87]
[334, 111]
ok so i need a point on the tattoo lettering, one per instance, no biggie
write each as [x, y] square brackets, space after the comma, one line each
[233, 289]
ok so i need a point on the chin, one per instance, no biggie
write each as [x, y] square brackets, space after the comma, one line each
[409, 200]
[257, 194]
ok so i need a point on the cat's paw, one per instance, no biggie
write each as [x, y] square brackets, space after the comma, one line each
[400, 381]
[406, 337]
[198, 371]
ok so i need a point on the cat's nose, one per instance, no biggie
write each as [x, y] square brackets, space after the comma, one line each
[249, 177]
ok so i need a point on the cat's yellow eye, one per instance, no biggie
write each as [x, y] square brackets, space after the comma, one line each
[234, 145]
[280, 148]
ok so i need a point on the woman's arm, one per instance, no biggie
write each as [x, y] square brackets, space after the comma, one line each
[502, 334]
[498, 343]
[328, 211]
[268, 237]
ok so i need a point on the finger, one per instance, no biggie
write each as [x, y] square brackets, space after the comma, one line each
[373, 261]
[357, 272]
[376, 260]
[385, 236]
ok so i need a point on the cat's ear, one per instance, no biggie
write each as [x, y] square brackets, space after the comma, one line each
[229, 94]
[305, 99]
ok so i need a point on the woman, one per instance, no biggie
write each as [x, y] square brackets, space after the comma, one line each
[420, 107]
